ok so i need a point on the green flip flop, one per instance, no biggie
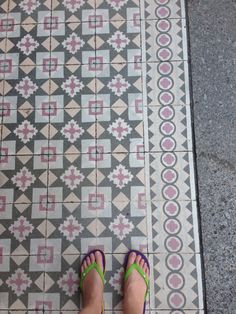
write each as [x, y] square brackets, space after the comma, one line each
[136, 267]
[96, 267]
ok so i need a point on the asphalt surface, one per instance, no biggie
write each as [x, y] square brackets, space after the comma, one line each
[212, 30]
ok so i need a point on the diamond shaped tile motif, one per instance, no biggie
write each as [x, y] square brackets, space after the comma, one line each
[96, 152]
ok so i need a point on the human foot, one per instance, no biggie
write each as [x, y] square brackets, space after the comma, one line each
[92, 288]
[135, 287]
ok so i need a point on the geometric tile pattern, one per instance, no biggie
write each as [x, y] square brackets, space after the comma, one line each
[95, 151]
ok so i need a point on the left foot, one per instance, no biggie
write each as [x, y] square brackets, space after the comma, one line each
[92, 288]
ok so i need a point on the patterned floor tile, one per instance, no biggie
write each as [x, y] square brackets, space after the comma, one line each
[164, 9]
[169, 42]
[121, 175]
[22, 176]
[62, 282]
[120, 130]
[23, 223]
[169, 128]
[76, 11]
[23, 281]
[174, 282]
[29, 10]
[118, 10]
[96, 152]
[174, 227]
[74, 43]
[172, 176]
[171, 87]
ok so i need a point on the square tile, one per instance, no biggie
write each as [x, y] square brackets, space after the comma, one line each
[174, 281]
[164, 9]
[172, 176]
[21, 175]
[171, 87]
[119, 130]
[170, 128]
[169, 42]
[118, 10]
[174, 227]
[19, 293]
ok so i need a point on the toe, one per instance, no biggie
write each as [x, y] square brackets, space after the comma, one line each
[141, 264]
[131, 259]
[88, 260]
[138, 259]
[85, 264]
[92, 258]
[145, 267]
[98, 258]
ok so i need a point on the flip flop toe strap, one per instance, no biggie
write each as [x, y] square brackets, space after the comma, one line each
[141, 272]
[87, 270]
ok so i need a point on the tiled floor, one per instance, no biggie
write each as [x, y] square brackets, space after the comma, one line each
[96, 151]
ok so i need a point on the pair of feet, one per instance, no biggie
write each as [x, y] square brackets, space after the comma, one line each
[134, 287]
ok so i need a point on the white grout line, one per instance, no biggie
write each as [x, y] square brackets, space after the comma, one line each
[184, 39]
[183, 8]
[192, 176]
[199, 280]
[187, 86]
[195, 226]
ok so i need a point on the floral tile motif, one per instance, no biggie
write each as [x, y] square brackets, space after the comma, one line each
[171, 86]
[174, 173]
[164, 9]
[170, 128]
[169, 41]
[175, 281]
[174, 227]
[95, 152]
[22, 281]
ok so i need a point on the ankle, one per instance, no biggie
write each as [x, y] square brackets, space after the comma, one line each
[133, 305]
[93, 306]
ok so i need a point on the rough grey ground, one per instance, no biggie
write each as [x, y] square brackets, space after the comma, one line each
[213, 59]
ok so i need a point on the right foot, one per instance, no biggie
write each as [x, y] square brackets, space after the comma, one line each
[92, 288]
[135, 287]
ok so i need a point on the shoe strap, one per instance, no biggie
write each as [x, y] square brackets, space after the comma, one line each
[88, 269]
[133, 267]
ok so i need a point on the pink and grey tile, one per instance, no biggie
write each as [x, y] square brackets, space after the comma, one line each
[96, 152]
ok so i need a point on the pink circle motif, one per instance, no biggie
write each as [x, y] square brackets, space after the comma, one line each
[165, 68]
[165, 83]
[163, 25]
[168, 159]
[162, 12]
[162, 1]
[170, 192]
[169, 175]
[163, 40]
[176, 300]
[166, 98]
[173, 244]
[168, 144]
[166, 113]
[171, 208]
[172, 226]
[175, 281]
[164, 54]
[174, 261]
[167, 128]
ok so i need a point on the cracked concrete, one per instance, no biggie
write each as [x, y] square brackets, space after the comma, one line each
[213, 60]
